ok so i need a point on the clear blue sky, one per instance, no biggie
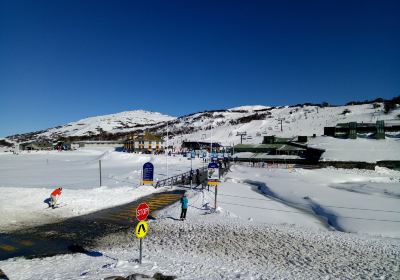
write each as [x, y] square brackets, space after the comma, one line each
[61, 61]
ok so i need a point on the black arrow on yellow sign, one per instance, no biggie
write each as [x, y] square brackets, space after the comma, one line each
[141, 227]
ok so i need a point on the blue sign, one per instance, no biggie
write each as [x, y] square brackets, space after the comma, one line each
[148, 173]
[193, 154]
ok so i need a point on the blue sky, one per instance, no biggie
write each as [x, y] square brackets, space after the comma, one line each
[61, 61]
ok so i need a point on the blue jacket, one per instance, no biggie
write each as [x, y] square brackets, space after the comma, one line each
[184, 202]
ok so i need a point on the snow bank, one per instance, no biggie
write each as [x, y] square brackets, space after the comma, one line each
[360, 149]
[357, 201]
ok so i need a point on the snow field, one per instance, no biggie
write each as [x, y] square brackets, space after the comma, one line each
[357, 201]
[360, 149]
[26, 181]
[218, 245]
[270, 223]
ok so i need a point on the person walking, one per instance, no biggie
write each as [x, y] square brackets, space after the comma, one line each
[54, 196]
[184, 204]
[197, 178]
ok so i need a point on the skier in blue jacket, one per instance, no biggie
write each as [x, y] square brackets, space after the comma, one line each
[185, 203]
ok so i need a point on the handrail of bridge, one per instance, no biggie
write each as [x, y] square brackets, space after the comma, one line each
[185, 177]
[178, 179]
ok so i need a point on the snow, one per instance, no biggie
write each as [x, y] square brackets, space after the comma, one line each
[27, 179]
[357, 201]
[249, 108]
[222, 126]
[270, 223]
[306, 120]
[360, 149]
[225, 245]
[191, 250]
[113, 123]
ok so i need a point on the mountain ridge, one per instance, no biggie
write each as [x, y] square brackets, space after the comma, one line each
[256, 120]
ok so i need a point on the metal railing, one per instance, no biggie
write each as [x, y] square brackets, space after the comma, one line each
[186, 177]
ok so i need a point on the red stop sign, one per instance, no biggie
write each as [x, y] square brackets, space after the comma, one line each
[142, 211]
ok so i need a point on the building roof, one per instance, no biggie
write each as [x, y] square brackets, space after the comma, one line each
[249, 155]
[274, 146]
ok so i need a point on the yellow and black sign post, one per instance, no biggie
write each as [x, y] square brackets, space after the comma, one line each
[141, 231]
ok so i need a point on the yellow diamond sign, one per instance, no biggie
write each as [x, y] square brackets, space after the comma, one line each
[141, 229]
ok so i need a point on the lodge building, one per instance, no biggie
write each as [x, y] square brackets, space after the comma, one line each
[147, 143]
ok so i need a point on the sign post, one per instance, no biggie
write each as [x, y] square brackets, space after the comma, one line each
[141, 229]
[213, 178]
[100, 171]
[192, 156]
[148, 173]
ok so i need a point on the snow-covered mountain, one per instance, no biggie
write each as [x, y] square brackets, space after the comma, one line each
[249, 108]
[223, 125]
[113, 124]
[220, 125]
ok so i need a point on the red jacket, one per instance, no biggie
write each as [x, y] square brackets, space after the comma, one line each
[56, 192]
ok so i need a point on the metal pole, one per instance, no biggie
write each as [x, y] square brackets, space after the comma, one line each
[211, 149]
[100, 171]
[167, 150]
[140, 250]
[191, 170]
[215, 201]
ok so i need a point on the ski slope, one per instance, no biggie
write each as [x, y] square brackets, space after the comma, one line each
[306, 120]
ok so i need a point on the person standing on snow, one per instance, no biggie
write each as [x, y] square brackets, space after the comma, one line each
[54, 196]
[197, 177]
[184, 203]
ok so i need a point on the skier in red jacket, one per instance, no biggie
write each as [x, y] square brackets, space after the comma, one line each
[54, 196]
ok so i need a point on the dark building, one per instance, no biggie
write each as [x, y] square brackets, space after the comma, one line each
[352, 129]
[197, 146]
